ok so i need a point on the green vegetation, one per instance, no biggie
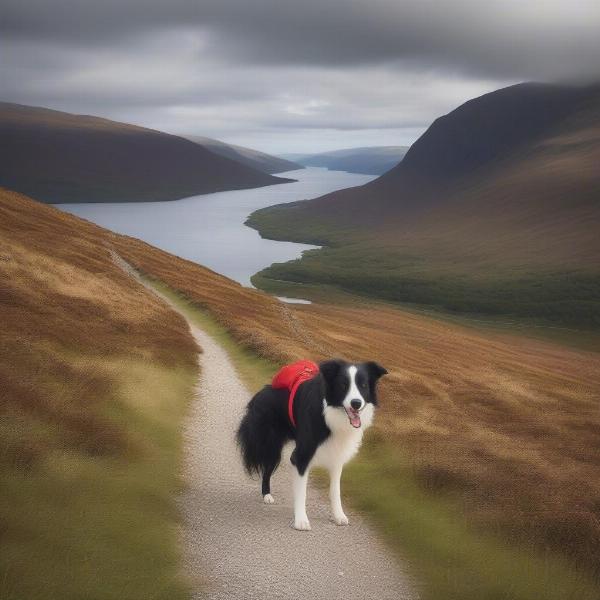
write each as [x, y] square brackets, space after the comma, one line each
[98, 522]
[534, 327]
[322, 293]
[450, 559]
[567, 297]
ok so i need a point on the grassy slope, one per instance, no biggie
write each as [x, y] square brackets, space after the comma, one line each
[502, 427]
[540, 329]
[451, 558]
[60, 157]
[96, 376]
[495, 434]
[514, 237]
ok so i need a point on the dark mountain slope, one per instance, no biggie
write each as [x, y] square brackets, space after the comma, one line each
[494, 209]
[60, 157]
[247, 156]
[481, 133]
[488, 128]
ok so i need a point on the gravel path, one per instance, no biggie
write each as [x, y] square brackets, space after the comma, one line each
[237, 547]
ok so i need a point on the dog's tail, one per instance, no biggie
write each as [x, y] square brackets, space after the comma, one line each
[249, 443]
[259, 439]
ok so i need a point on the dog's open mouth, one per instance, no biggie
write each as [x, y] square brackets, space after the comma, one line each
[353, 417]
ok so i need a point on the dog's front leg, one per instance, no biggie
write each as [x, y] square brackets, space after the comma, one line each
[335, 475]
[301, 521]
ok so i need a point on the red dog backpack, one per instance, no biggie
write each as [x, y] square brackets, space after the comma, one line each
[290, 377]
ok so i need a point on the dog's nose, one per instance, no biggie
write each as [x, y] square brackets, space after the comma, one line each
[355, 404]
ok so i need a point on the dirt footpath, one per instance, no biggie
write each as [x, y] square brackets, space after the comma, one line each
[235, 546]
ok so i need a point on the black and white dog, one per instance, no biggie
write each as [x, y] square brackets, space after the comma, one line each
[331, 412]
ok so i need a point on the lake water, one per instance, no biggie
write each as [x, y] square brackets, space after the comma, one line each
[210, 230]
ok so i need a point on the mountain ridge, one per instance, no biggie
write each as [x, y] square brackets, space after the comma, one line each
[367, 160]
[62, 157]
[501, 221]
[248, 156]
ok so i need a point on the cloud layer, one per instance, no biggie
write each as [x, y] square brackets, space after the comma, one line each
[288, 76]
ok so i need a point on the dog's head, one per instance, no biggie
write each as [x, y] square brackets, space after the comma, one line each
[351, 387]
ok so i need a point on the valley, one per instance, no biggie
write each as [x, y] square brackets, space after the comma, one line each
[480, 473]
[478, 219]
[210, 229]
[373, 160]
[467, 420]
[404, 196]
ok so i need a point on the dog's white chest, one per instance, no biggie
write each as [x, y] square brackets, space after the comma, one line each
[337, 449]
[344, 441]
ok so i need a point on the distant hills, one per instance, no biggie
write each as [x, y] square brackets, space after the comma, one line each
[247, 156]
[60, 157]
[495, 209]
[371, 160]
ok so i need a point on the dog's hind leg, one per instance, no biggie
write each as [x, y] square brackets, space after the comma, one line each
[271, 457]
[266, 485]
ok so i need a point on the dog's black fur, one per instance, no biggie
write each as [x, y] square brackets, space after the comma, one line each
[266, 427]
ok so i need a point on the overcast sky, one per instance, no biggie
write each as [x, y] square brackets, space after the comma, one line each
[285, 76]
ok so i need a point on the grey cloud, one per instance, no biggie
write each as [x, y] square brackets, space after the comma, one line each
[536, 39]
[287, 74]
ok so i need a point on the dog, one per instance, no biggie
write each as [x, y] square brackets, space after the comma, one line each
[327, 419]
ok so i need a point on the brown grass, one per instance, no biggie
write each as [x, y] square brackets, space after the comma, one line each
[507, 426]
[63, 297]
[79, 460]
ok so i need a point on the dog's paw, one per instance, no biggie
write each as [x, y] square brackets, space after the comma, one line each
[341, 519]
[302, 524]
[268, 499]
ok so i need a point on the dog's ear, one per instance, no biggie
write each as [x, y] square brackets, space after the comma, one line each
[330, 369]
[375, 370]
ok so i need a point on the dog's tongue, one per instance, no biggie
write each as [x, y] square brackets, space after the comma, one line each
[354, 418]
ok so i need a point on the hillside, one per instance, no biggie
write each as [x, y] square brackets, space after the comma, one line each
[371, 160]
[60, 157]
[247, 156]
[476, 432]
[494, 210]
[96, 378]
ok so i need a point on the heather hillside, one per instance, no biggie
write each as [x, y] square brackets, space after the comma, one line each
[60, 157]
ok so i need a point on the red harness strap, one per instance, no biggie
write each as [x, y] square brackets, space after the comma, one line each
[290, 377]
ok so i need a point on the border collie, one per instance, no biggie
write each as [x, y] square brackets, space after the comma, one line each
[331, 412]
